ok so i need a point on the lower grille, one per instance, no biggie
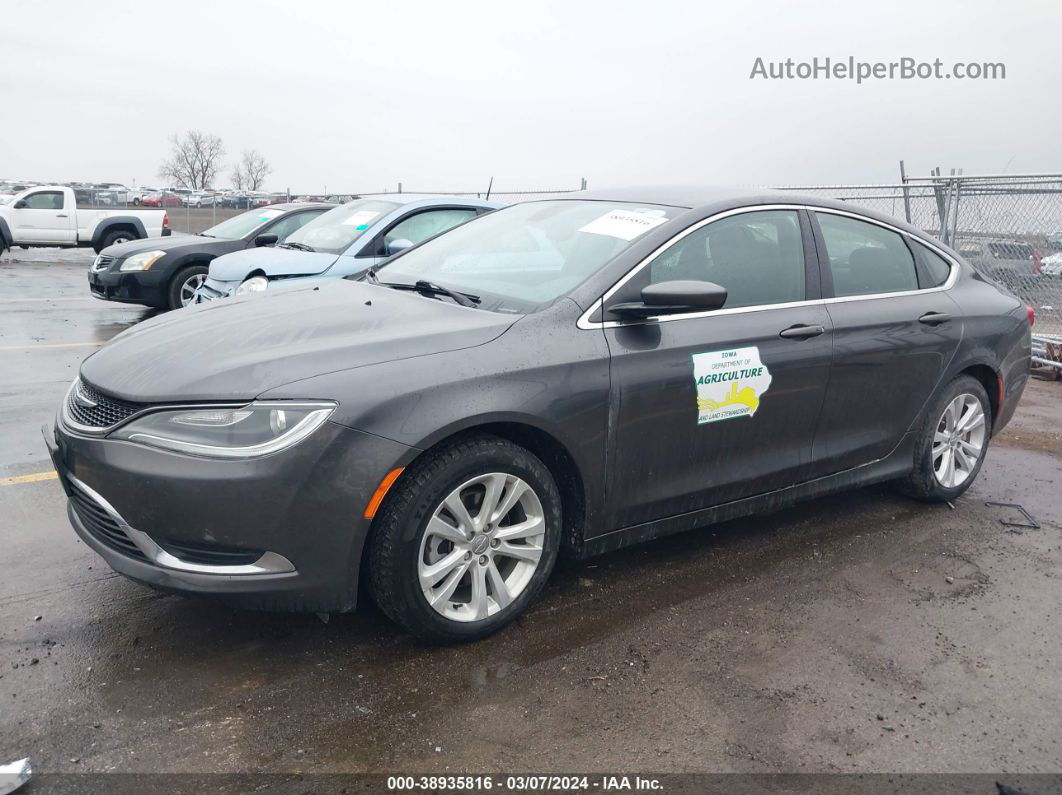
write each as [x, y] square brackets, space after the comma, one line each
[211, 554]
[100, 524]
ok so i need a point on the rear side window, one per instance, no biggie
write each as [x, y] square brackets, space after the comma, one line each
[757, 256]
[865, 258]
[937, 268]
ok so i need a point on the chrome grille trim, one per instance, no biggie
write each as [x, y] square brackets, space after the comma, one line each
[88, 410]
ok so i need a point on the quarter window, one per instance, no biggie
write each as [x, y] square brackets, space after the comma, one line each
[44, 200]
[757, 256]
[937, 268]
[865, 258]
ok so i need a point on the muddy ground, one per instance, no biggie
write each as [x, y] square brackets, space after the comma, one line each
[862, 632]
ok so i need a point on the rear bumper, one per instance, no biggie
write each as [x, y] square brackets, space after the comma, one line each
[292, 521]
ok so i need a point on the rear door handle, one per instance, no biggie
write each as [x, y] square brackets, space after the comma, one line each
[801, 332]
[934, 318]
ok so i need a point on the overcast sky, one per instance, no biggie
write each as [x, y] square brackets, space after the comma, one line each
[357, 96]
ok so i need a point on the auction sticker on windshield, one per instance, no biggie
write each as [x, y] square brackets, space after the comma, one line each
[729, 383]
[624, 224]
[267, 215]
[360, 218]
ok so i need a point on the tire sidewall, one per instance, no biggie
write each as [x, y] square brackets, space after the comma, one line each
[413, 517]
[964, 385]
[179, 278]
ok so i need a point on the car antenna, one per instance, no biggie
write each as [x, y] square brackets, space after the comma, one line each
[491, 185]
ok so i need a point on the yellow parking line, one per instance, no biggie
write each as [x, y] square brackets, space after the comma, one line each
[51, 345]
[36, 476]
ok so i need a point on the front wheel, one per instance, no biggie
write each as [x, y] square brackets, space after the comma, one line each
[465, 540]
[184, 285]
[952, 443]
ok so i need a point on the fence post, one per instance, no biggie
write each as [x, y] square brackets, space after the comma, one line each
[906, 193]
[583, 185]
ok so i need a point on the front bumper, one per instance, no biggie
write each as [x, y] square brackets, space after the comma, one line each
[282, 532]
[212, 290]
[135, 287]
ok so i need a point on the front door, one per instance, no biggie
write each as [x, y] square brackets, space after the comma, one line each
[41, 217]
[715, 406]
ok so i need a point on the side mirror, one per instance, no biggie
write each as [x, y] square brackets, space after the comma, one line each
[20, 204]
[670, 298]
[395, 246]
[266, 240]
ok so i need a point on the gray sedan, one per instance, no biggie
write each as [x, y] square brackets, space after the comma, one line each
[577, 374]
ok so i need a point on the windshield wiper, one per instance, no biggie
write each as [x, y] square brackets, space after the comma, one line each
[429, 288]
[296, 246]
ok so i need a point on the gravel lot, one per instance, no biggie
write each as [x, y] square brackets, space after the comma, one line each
[858, 633]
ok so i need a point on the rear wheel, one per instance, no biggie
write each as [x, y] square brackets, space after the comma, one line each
[465, 540]
[184, 284]
[116, 237]
[952, 442]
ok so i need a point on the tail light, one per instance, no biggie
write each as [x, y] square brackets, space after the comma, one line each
[166, 225]
[1032, 315]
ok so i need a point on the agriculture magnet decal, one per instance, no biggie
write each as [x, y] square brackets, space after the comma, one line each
[729, 383]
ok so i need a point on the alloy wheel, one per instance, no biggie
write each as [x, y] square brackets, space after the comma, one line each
[190, 286]
[481, 547]
[958, 441]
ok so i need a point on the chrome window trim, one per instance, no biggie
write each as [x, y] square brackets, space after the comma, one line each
[586, 323]
[268, 563]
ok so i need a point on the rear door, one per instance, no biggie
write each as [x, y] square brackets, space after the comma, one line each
[43, 217]
[895, 328]
[714, 406]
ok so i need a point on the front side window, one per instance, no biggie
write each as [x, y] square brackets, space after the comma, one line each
[44, 200]
[285, 226]
[757, 256]
[866, 259]
[418, 228]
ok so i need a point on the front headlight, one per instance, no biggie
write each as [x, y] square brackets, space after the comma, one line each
[141, 262]
[256, 284]
[247, 431]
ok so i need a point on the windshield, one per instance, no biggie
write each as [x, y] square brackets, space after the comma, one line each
[243, 224]
[334, 231]
[527, 255]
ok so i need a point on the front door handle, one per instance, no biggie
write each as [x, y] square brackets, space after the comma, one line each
[61, 215]
[934, 318]
[801, 332]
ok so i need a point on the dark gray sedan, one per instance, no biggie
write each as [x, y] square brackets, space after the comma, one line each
[577, 374]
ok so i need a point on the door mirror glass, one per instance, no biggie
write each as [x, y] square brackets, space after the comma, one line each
[395, 246]
[266, 240]
[673, 297]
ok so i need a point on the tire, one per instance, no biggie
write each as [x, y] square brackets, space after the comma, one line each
[116, 237]
[929, 480]
[401, 548]
[184, 283]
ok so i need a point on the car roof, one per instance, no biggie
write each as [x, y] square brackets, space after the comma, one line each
[410, 198]
[295, 206]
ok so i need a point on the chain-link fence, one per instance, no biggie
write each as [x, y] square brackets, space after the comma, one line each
[1008, 227]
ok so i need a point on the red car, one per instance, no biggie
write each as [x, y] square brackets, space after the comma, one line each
[161, 200]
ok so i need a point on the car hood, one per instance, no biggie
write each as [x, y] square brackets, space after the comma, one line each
[271, 261]
[167, 244]
[241, 347]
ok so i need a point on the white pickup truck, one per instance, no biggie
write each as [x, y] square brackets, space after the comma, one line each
[49, 216]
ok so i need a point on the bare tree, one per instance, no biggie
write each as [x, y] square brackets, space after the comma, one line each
[253, 169]
[194, 160]
[239, 179]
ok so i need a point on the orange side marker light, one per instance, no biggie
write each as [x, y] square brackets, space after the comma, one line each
[381, 492]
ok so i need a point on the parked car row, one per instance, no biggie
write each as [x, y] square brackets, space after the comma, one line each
[486, 387]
